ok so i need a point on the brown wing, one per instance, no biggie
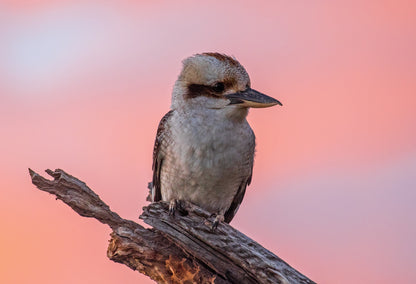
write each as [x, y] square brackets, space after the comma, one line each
[229, 215]
[158, 157]
[238, 198]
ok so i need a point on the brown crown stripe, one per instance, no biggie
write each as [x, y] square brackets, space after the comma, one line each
[222, 57]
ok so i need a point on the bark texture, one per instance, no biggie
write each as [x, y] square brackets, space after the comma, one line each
[178, 249]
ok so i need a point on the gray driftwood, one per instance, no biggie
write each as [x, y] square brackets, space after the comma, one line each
[178, 249]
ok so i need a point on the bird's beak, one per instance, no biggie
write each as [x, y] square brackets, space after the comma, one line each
[252, 98]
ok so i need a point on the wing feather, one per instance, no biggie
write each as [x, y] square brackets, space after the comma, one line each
[158, 157]
[238, 198]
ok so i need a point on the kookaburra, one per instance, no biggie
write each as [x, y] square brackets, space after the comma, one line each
[204, 146]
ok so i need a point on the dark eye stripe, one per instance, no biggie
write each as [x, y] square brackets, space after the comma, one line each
[197, 90]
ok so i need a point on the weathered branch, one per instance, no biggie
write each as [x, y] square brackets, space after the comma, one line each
[179, 249]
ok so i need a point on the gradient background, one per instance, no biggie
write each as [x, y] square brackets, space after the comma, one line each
[84, 84]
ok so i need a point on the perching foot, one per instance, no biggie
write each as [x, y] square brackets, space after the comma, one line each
[218, 219]
[173, 204]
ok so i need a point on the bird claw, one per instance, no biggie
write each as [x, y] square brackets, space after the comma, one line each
[172, 207]
[218, 219]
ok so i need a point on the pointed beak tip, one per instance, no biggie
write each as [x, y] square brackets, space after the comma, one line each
[252, 98]
[272, 103]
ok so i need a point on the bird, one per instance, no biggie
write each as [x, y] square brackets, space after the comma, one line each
[204, 146]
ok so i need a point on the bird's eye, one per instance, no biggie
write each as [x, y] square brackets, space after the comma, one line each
[218, 87]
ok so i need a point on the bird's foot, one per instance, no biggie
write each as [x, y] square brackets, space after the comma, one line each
[218, 219]
[177, 206]
[173, 204]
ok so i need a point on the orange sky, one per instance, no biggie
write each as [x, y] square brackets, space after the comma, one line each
[83, 85]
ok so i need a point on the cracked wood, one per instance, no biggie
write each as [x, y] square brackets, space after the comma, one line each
[178, 249]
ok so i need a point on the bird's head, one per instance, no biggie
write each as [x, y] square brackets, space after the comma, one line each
[217, 81]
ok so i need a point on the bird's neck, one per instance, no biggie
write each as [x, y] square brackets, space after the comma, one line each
[231, 114]
[236, 114]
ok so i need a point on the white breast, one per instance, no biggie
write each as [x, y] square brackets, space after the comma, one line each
[208, 159]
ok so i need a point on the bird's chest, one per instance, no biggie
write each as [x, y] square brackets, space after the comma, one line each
[207, 161]
[210, 147]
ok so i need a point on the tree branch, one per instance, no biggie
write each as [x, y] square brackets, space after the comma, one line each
[179, 249]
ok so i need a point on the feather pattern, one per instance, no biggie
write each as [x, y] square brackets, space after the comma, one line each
[158, 157]
[204, 147]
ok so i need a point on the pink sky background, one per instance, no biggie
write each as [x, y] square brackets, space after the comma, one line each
[83, 85]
